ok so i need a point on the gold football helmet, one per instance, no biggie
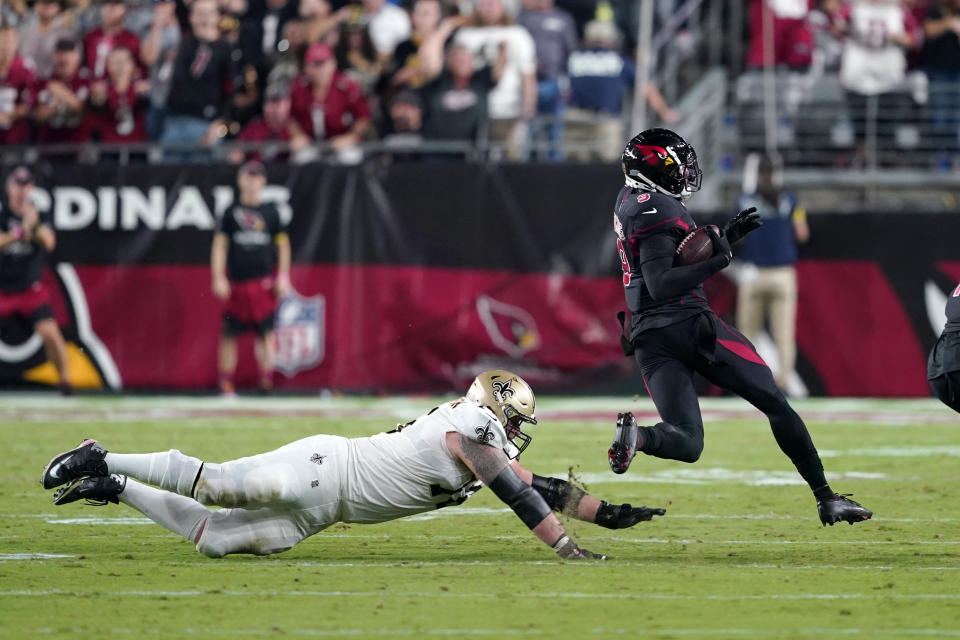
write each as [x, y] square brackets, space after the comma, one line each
[510, 399]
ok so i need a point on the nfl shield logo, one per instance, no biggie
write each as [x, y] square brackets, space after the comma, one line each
[299, 333]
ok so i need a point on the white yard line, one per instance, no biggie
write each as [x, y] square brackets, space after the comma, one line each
[575, 595]
[699, 632]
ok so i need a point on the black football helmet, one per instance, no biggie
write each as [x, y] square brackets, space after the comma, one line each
[660, 160]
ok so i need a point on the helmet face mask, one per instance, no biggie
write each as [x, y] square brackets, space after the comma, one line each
[510, 399]
[660, 160]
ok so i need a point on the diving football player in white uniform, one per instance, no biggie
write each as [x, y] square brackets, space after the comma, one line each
[274, 500]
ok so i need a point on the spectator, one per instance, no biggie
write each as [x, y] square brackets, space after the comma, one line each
[315, 22]
[791, 40]
[247, 237]
[109, 35]
[941, 61]
[599, 78]
[158, 51]
[827, 36]
[246, 61]
[555, 38]
[513, 101]
[455, 101]
[39, 36]
[768, 280]
[268, 20]
[405, 112]
[61, 99]
[200, 88]
[275, 125]
[26, 237]
[120, 101]
[389, 25]
[874, 62]
[326, 103]
[16, 95]
[406, 69]
[357, 57]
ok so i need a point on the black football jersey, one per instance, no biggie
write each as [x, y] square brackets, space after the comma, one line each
[953, 310]
[21, 263]
[251, 231]
[650, 225]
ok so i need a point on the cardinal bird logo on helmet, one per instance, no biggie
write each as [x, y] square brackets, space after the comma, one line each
[660, 160]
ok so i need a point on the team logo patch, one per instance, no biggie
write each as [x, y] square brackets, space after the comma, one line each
[643, 197]
[484, 434]
[300, 333]
[510, 328]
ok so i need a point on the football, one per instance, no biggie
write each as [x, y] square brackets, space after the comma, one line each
[695, 247]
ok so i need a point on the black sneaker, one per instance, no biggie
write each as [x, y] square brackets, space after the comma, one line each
[85, 460]
[96, 491]
[624, 446]
[841, 508]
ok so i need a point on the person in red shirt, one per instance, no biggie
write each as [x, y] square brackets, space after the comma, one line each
[110, 35]
[120, 101]
[275, 125]
[16, 90]
[26, 236]
[61, 98]
[326, 103]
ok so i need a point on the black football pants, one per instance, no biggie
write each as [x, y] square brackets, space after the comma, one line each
[669, 356]
[947, 388]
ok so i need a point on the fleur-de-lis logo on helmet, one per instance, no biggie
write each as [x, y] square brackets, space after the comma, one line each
[502, 390]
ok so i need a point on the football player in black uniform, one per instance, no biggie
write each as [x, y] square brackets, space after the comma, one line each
[673, 331]
[943, 367]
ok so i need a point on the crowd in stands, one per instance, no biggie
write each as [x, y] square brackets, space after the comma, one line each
[899, 53]
[193, 73]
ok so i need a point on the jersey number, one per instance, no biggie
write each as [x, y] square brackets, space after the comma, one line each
[623, 263]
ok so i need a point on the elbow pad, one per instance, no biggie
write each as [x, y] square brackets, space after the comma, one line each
[559, 495]
[529, 506]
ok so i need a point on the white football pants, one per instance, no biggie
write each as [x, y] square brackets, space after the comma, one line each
[272, 501]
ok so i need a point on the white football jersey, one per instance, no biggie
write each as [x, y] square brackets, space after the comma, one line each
[410, 470]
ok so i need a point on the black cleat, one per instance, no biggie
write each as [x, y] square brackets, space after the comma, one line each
[840, 508]
[88, 459]
[624, 446]
[97, 491]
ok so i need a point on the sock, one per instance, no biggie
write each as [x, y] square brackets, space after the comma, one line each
[226, 383]
[647, 440]
[170, 470]
[184, 516]
[823, 493]
[811, 470]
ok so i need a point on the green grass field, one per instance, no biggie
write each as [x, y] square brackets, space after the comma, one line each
[740, 553]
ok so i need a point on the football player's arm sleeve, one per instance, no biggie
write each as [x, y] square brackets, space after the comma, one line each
[664, 280]
[490, 465]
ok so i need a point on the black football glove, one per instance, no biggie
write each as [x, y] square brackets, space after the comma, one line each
[621, 516]
[568, 550]
[721, 246]
[740, 225]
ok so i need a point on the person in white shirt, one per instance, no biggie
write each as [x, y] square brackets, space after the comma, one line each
[274, 500]
[513, 101]
[388, 24]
